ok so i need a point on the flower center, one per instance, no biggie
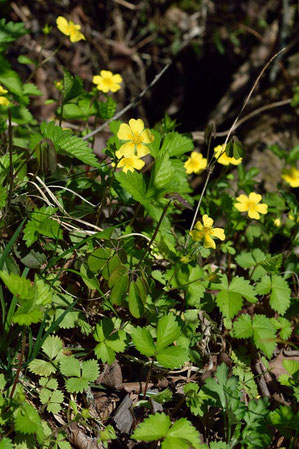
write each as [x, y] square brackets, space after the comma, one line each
[136, 138]
[251, 205]
[207, 230]
[72, 28]
[108, 82]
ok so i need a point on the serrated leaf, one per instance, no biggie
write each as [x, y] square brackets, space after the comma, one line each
[90, 370]
[183, 429]
[11, 31]
[134, 184]
[136, 305]
[41, 367]
[176, 144]
[27, 419]
[105, 353]
[167, 332]
[51, 384]
[27, 315]
[280, 294]
[264, 334]
[152, 428]
[10, 79]
[72, 86]
[273, 263]
[52, 346]
[71, 144]
[107, 109]
[252, 260]
[172, 357]
[76, 385]
[143, 341]
[230, 297]
[19, 286]
[69, 366]
[6, 443]
[243, 327]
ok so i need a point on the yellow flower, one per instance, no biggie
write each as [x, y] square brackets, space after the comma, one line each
[58, 85]
[106, 81]
[224, 159]
[4, 101]
[70, 29]
[277, 222]
[251, 205]
[291, 176]
[206, 232]
[292, 217]
[195, 163]
[2, 90]
[130, 163]
[137, 136]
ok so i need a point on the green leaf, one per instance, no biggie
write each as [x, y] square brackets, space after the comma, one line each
[6, 443]
[51, 384]
[252, 260]
[41, 223]
[19, 286]
[167, 332]
[119, 290]
[41, 367]
[272, 264]
[52, 346]
[284, 326]
[31, 89]
[27, 314]
[280, 292]
[183, 429]
[69, 366]
[27, 420]
[230, 297]
[107, 109]
[3, 196]
[10, 78]
[105, 353]
[172, 357]
[152, 428]
[11, 31]
[74, 146]
[134, 184]
[98, 259]
[264, 334]
[143, 341]
[243, 327]
[90, 370]
[76, 385]
[72, 86]
[111, 340]
[136, 305]
[175, 144]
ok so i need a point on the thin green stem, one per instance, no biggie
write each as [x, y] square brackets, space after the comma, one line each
[23, 346]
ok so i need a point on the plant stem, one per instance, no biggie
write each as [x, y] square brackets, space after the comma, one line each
[20, 361]
[148, 378]
[11, 178]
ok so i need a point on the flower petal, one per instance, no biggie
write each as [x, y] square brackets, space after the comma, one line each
[242, 198]
[96, 79]
[76, 36]
[207, 221]
[209, 242]
[262, 208]
[63, 25]
[253, 214]
[146, 136]
[114, 87]
[219, 233]
[138, 163]
[196, 235]
[126, 150]
[255, 197]
[117, 78]
[242, 207]
[125, 132]
[106, 74]
[198, 226]
[142, 150]
[137, 126]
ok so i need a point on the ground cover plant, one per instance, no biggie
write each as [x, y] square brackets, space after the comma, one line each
[149, 284]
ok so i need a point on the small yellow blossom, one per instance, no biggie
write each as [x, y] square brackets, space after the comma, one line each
[291, 176]
[137, 136]
[292, 217]
[277, 222]
[106, 81]
[58, 85]
[251, 205]
[4, 101]
[206, 232]
[70, 29]
[130, 163]
[224, 159]
[195, 163]
[2, 90]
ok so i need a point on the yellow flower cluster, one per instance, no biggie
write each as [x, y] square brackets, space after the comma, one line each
[70, 29]
[131, 152]
[106, 81]
[222, 157]
[196, 163]
[3, 100]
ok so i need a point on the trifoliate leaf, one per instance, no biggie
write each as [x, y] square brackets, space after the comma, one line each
[69, 366]
[283, 326]
[230, 297]
[52, 384]
[152, 428]
[143, 341]
[11, 31]
[252, 260]
[41, 367]
[172, 357]
[52, 346]
[111, 340]
[90, 370]
[167, 332]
